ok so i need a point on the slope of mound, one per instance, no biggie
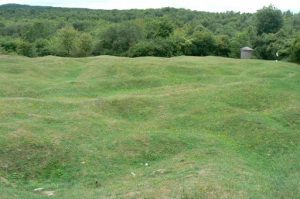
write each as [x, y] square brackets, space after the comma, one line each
[184, 127]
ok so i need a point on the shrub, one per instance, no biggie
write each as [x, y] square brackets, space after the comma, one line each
[118, 39]
[295, 50]
[203, 44]
[156, 47]
[9, 45]
[67, 41]
[268, 45]
[42, 47]
[85, 45]
[26, 49]
[222, 46]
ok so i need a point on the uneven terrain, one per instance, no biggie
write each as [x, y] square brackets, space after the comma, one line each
[183, 127]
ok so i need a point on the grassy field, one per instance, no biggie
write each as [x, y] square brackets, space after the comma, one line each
[183, 127]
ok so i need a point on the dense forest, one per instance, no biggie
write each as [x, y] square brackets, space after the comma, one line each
[40, 31]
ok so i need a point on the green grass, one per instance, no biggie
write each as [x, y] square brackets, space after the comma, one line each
[208, 128]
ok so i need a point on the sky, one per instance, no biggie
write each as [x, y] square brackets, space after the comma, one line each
[201, 5]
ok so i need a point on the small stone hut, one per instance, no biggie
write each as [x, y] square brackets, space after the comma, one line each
[246, 53]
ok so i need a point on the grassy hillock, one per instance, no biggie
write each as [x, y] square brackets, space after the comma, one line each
[184, 127]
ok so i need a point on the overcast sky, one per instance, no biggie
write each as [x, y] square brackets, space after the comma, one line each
[203, 5]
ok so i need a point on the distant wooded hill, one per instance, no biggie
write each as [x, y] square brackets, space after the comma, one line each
[40, 31]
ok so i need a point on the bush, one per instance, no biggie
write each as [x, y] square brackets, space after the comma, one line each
[263, 47]
[158, 47]
[203, 44]
[179, 44]
[42, 47]
[26, 49]
[8, 45]
[295, 50]
[118, 39]
[222, 46]
[268, 45]
[85, 45]
[67, 41]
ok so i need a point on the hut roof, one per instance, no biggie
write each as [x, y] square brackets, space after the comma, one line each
[247, 49]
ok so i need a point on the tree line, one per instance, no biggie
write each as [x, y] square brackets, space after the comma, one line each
[41, 31]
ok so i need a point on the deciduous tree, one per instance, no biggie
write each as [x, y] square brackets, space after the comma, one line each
[67, 40]
[269, 20]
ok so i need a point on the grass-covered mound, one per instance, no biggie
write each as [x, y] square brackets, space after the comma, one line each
[185, 127]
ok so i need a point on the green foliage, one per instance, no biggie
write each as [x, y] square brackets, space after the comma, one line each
[296, 22]
[38, 30]
[2, 27]
[159, 28]
[85, 45]
[179, 44]
[269, 20]
[222, 46]
[268, 45]
[81, 25]
[296, 50]
[157, 47]
[82, 32]
[9, 45]
[202, 44]
[263, 47]
[67, 41]
[118, 39]
[239, 41]
[15, 30]
[26, 49]
[42, 47]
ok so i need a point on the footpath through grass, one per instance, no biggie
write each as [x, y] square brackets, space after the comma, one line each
[183, 127]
